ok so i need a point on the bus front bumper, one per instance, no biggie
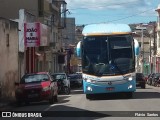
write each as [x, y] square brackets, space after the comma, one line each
[91, 88]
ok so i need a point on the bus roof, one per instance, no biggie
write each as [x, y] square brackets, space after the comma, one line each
[106, 29]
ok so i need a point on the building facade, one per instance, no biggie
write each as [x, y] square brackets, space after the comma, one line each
[145, 35]
[32, 58]
[9, 57]
[48, 12]
[157, 27]
[69, 32]
[68, 36]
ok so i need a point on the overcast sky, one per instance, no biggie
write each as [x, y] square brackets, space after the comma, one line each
[119, 11]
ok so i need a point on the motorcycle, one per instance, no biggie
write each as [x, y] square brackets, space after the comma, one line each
[157, 83]
[62, 88]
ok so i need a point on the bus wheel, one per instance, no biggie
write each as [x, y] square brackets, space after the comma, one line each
[129, 94]
[89, 96]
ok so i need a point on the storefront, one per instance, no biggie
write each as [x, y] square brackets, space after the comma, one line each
[36, 40]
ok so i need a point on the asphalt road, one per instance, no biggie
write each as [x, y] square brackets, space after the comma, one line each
[103, 107]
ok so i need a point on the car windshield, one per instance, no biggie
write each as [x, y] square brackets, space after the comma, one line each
[73, 77]
[34, 78]
[108, 55]
[59, 76]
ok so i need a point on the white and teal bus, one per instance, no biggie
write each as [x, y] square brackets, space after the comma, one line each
[108, 59]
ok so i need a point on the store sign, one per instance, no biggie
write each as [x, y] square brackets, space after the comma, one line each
[24, 16]
[32, 34]
[36, 34]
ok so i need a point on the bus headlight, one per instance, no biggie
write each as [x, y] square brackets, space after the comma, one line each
[130, 78]
[130, 87]
[89, 88]
[90, 81]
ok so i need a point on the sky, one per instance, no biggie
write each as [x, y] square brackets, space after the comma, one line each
[112, 11]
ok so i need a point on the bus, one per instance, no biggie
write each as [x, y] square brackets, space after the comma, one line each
[108, 59]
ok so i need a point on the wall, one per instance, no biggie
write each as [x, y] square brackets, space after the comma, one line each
[8, 57]
[69, 31]
[146, 54]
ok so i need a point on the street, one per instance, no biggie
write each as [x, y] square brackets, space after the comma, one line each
[101, 108]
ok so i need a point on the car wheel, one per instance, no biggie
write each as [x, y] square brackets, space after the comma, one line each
[89, 96]
[143, 86]
[129, 95]
[66, 90]
[55, 98]
[79, 85]
[150, 82]
[51, 99]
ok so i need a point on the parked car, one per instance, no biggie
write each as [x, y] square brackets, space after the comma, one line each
[157, 83]
[36, 87]
[155, 78]
[75, 80]
[140, 80]
[149, 80]
[63, 82]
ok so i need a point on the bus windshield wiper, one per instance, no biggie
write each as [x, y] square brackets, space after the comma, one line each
[120, 71]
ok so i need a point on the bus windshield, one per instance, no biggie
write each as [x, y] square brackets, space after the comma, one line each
[108, 55]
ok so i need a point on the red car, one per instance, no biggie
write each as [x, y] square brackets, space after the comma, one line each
[36, 87]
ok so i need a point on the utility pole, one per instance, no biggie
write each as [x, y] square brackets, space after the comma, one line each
[155, 48]
[154, 38]
[150, 54]
[142, 50]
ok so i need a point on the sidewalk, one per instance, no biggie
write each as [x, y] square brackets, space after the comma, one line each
[156, 88]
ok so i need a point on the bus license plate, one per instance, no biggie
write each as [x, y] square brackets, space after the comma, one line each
[110, 88]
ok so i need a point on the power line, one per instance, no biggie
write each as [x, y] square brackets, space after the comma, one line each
[108, 15]
[122, 18]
